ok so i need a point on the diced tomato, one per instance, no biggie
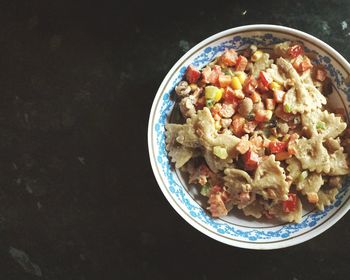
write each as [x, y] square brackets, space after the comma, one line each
[192, 74]
[256, 98]
[214, 75]
[263, 115]
[251, 160]
[237, 125]
[205, 74]
[321, 74]
[225, 80]
[295, 51]
[250, 84]
[270, 104]
[277, 147]
[302, 63]
[216, 189]
[229, 57]
[265, 78]
[241, 63]
[305, 64]
[290, 205]
[278, 95]
[229, 96]
[261, 87]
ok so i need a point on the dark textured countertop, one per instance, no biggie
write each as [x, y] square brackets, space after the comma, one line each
[78, 199]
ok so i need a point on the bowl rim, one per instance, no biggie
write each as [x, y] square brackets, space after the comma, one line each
[245, 28]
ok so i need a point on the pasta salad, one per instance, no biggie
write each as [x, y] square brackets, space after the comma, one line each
[255, 133]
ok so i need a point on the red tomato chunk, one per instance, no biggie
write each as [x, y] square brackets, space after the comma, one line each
[229, 57]
[265, 78]
[192, 74]
[295, 51]
[241, 63]
[251, 160]
[277, 146]
[290, 205]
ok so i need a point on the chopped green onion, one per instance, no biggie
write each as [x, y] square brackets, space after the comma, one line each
[251, 117]
[229, 72]
[205, 190]
[303, 175]
[321, 126]
[220, 152]
[287, 108]
[209, 103]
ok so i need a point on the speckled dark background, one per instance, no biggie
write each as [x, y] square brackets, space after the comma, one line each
[78, 199]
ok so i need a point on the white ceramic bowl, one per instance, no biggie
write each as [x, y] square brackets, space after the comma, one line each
[236, 229]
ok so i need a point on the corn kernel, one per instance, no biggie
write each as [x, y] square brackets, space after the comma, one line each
[242, 76]
[256, 55]
[236, 84]
[219, 94]
[275, 86]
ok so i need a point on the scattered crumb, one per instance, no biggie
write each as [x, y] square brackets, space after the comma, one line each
[184, 45]
[39, 205]
[81, 160]
[244, 12]
[26, 117]
[23, 260]
[18, 181]
[55, 42]
[29, 189]
[344, 25]
[325, 27]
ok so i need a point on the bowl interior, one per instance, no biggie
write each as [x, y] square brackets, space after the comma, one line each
[237, 229]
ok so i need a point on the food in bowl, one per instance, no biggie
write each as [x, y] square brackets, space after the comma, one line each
[255, 133]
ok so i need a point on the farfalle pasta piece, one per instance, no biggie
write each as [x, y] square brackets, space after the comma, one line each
[338, 163]
[322, 124]
[180, 155]
[300, 98]
[310, 186]
[326, 198]
[312, 155]
[216, 164]
[294, 168]
[208, 136]
[237, 179]
[183, 134]
[270, 180]
[254, 209]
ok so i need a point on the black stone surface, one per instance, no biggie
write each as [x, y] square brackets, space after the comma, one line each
[78, 199]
